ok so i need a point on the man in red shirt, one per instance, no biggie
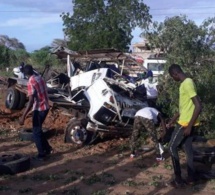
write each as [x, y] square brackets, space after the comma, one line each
[38, 99]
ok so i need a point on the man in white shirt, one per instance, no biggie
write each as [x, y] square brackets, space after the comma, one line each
[151, 89]
[145, 120]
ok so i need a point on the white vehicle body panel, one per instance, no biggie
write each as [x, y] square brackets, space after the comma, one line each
[155, 65]
[99, 94]
[87, 78]
[17, 72]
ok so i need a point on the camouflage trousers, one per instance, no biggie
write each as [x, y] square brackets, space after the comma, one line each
[142, 124]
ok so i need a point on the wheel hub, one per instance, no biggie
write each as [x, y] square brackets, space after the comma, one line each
[9, 97]
[79, 134]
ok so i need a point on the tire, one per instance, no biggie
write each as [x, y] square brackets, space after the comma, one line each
[12, 98]
[204, 154]
[22, 100]
[206, 174]
[76, 132]
[27, 134]
[14, 163]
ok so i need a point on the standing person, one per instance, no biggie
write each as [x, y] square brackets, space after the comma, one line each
[146, 119]
[189, 110]
[151, 91]
[38, 99]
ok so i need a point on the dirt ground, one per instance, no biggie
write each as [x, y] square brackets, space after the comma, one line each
[99, 169]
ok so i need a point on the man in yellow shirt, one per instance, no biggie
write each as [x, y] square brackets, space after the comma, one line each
[187, 121]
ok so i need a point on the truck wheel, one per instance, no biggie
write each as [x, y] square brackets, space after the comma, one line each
[12, 98]
[76, 132]
[22, 100]
[14, 163]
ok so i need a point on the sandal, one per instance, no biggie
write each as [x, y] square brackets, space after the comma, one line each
[177, 184]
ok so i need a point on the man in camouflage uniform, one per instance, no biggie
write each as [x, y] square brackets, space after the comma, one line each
[145, 120]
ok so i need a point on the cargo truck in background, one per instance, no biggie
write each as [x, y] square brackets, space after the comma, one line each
[156, 65]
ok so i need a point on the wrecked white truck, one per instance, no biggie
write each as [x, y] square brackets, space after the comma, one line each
[110, 101]
[101, 97]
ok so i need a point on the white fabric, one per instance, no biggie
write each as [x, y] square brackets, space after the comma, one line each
[151, 90]
[149, 113]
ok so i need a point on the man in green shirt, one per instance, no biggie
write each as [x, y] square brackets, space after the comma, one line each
[187, 121]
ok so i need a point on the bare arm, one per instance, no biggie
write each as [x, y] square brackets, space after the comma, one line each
[196, 112]
[173, 120]
[163, 124]
[28, 108]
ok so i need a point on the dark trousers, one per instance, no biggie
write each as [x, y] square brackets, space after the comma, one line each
[178, 139]
[39, 137]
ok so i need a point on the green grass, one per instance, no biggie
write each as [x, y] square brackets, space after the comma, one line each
[106, 178]
[156, 180]
[92, 180]
[210, 135]
[25, 190]
[71, 191]
[4, 133]
[154, 183]
[4, 188]
[4, 73]
[101, 192]
[123, 147]
[42, 177]
[140, 165]
[71, 179]
[130, 183]
[168, 166]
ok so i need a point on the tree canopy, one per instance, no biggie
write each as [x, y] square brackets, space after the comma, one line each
[98, 24]
[12, 53]
[192, 47]
[59, 42]
[11, 43]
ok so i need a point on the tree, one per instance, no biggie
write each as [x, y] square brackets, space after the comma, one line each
[17, 56]
[4, 56]
[43, 57]
[11, 43]
[12, 51]
[100, 24]
[191, 46]
[59, 42]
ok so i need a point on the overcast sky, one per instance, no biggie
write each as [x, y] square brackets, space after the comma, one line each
[36, 23]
